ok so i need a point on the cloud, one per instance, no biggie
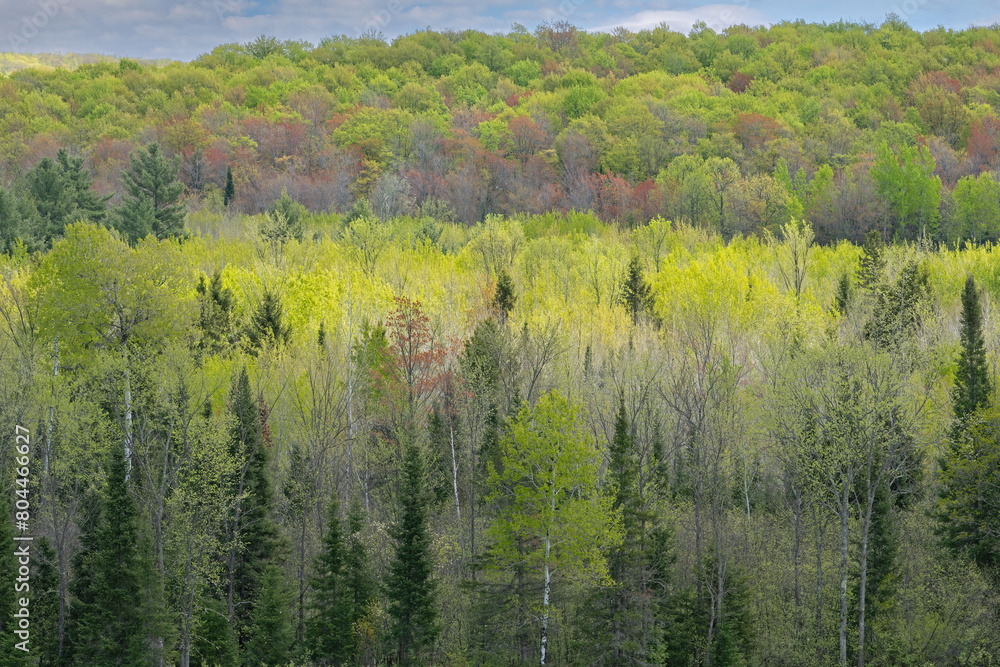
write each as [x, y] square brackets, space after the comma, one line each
[717, 17]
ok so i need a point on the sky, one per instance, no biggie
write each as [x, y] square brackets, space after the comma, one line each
[183, 30]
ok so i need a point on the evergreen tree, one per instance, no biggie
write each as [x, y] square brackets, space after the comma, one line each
[54, 200]
[897, 309]
[45, 603]
[230, 191]
[215, 317]
[636, 294]
[343, 588]
[412, 593]
[89, 206]
[108, 620]
[505, 297]
[152, 187]
[253, 537]
[266, 323]
[872, 261]
[14, 223]
[623, 611]
[842, 297]
[285, 218]
[9, 655]
[972, 382]
[271, 627]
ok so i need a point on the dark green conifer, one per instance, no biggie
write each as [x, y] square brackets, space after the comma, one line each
[271, 628]
[636, 294]
[972, 381]
[411, 591]
[505, 297]
[107, 616]
[253, 537]
[266, 323]
[215, 316]
[230, 191]
[152, 204]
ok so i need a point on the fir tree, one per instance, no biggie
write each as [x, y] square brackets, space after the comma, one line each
[972, 382]
[412, 593]
[636, 295]
[152, 186]
[108, 623]
[230, 191]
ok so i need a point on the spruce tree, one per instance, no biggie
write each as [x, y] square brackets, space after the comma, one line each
[252, 535]
[343, 588]
[54, 200]
[266, 323]
[412, 593]
[972, 382]
[329, 631]
[636, 294]
[505, 296]
[230, 191]
[215, 317]
[152, 187]
[872, 261]
[108, 623]
[271, 636]
[622, 610]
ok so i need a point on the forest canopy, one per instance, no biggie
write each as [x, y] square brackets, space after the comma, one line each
[539, 348]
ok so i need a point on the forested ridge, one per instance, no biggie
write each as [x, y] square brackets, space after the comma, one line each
[853, 126]
[414, 388]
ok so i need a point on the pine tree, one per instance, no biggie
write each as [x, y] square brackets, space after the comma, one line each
[54, 200]
[230, 191]
[972, 382]
[412, 593]
[286, 217]
[636, 294]
[108, 623]
[152, 186]
[89, 206]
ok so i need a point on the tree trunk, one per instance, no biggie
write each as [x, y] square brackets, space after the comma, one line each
[844, 517]
[454, 469]
[128, 414]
